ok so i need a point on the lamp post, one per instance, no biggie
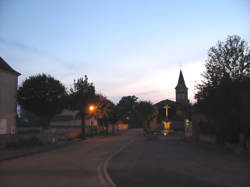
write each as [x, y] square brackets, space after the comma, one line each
[91, 110]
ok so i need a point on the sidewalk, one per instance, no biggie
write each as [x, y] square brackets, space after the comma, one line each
[12, 153]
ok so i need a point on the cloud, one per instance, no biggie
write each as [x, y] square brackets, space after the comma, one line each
[31, 49]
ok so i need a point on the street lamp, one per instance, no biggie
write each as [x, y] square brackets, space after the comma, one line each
[91, 109]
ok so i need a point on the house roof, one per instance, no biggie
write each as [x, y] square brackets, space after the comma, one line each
[6, 67]
[181, 82]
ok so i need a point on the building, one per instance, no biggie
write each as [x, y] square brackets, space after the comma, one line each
[8, 93]
[69, 122]
[181, 91]
[174, 111]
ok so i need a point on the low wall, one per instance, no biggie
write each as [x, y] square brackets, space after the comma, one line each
[155, 125]
[178, 125]
[208, 138]
[71, 123]
[122, 126]
[6, 139]
[61, 133]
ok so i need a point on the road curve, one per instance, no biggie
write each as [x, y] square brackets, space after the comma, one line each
[82, 164]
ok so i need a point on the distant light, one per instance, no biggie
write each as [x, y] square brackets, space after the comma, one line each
[91, 107]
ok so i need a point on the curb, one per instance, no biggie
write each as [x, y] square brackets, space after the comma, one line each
[102, 170]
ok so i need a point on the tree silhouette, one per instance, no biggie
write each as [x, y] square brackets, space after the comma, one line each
[105, 111]
[144, 112]
[79, 98]
[42, 95]
[223, 93]
[125, 108]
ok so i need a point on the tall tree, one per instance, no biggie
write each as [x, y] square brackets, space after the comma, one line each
[104, 110]
[222, 94]
[144, 113]
[80, 96]
[125, 108]
[42, 95]
[227, 60]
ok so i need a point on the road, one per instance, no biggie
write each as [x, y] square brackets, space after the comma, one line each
[72, 166]
[172, 162]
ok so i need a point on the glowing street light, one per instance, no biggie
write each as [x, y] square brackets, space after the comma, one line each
[91, 108]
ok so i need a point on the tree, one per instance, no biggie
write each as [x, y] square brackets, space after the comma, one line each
[28, 118]
[125, 108]
[223, 93]
[80, 96]
[144, 113]
[227, 60]
[104, 111]
[42, 95]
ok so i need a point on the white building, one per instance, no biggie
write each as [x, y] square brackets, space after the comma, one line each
[8, 92]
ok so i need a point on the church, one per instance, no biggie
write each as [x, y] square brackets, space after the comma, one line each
[175, 112]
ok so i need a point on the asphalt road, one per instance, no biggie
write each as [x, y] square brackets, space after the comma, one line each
[171, 162]
[72, 166]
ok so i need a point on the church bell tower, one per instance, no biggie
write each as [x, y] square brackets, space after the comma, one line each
[181, 91]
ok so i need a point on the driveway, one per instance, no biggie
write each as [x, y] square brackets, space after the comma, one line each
[169, 161]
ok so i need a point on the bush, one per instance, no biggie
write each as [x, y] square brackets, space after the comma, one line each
[207, 128]
[24, 142]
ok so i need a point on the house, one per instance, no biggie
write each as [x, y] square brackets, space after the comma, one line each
[68, 118]
[68, 122]
[8, 103]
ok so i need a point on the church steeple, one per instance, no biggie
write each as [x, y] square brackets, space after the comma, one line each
[181, 91]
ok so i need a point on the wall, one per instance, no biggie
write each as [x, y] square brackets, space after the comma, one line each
[71, 123]
[155, 125]
[8, 91]
[178, 125]
[122, 126]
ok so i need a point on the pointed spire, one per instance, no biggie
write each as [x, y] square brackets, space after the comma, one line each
[181, 82]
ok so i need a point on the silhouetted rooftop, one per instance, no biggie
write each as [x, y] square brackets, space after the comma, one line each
[166, 102]
[6, 67]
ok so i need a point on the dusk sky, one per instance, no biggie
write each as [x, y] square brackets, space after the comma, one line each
[124, 47]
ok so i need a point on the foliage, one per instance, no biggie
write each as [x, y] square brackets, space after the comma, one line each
[79, 98]
[25, 142]
[224, 93]
[27, 118]
[106, 112]
[42, 95]
[143, 113]
[125, 108]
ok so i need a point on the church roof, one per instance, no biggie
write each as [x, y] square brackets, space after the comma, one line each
[166, 102]
[6, 67]
[181, 82]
